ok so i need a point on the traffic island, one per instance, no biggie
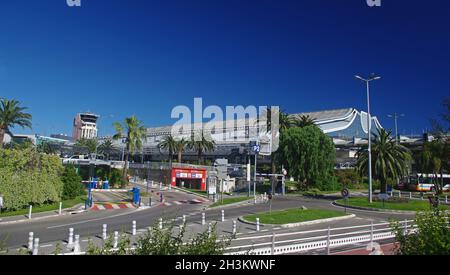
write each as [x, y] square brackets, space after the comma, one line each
[231, 202]
[405, 206]
[295, 217]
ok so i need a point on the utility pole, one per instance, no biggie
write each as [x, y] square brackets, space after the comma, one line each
[395, 117]
[369, 128]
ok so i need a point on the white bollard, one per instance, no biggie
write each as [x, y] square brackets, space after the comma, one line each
[371, 234]
[133, 232]
[257, 224]
[104, 235]
[203, 218]
[36, 246]
[181, 227]
[116, 239]
[184, 219]
[30, 241]
[209, 230]
[234, 227]
[410, 195]
[60, 208]
[70, 240]
[160, 223]
[399, 193]
[392, 193]
[76, 246]
[29, 211]
[446, 199]
[223, 215]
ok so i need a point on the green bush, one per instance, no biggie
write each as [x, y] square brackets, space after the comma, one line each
[72, 186]
[28, 177]
[432, 236]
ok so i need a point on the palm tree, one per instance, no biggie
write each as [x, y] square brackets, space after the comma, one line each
[389, 160]
[181, 146]
[107, 147]
[88, 145]
[11, 114]
[304, 121]
[170, 144]
[201, 144]
[134, 134]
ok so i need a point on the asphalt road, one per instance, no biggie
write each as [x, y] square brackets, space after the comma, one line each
[89, 223]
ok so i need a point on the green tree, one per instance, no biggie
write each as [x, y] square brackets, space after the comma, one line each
[432, 236]
[12, 114]
[434, 158]
[88, 145]
[72, 186]
[170, 144]
[309, 155]
[134, 133]
[389, 159]
[304, 121]
[107, 148]
[201, 143]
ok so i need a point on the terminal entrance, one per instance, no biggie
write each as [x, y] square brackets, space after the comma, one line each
[189, 183]
[191, 178]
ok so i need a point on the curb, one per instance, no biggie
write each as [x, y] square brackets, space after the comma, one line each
[189, 192]
[297, 224]
[43, 217]
[374, 209]
[243, 203]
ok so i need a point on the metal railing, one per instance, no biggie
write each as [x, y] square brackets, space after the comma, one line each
[364, 234]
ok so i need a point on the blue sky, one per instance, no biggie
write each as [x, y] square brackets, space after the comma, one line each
[143, 57]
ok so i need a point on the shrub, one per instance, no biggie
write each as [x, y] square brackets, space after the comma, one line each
[432, 236]
[28, 177]
[72, 183]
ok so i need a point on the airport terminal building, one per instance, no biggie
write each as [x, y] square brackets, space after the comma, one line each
[347, 127]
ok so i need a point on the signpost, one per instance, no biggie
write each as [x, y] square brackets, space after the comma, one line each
[383, 197]
[345, 193]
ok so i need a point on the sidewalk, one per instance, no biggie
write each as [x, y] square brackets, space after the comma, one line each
[78, 208]
[386, 249]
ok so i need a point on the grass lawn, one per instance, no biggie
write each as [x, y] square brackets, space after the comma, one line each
[46, 207]
[229, 201]
[411, 205]
[293, 216]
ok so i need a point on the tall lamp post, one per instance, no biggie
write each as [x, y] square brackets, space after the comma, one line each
[369, 127]
[395, 116]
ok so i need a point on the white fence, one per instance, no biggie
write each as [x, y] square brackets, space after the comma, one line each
[368, 234]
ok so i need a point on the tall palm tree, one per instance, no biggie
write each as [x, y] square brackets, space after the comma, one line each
[181, 146]
[11, 114]
[201, 143]
[389, 160]
[134, 133]
[170, 144]
[304, 121]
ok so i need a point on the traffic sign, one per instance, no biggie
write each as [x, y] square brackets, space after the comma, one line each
[383, 196]
[345, 193]
[256, 148]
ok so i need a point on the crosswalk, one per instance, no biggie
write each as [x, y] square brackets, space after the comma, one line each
[109, 206]
[192, 201]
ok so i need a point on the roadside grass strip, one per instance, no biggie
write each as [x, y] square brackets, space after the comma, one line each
[293, 216]
[409, 205]
[229, 201]
[45, 207]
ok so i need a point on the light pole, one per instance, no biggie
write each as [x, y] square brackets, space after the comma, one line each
[395, 117]
[369, 128]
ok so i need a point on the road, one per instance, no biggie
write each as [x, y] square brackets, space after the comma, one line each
[89, 224]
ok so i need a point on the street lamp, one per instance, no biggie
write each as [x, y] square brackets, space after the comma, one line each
[395, 117]
[369, 127]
